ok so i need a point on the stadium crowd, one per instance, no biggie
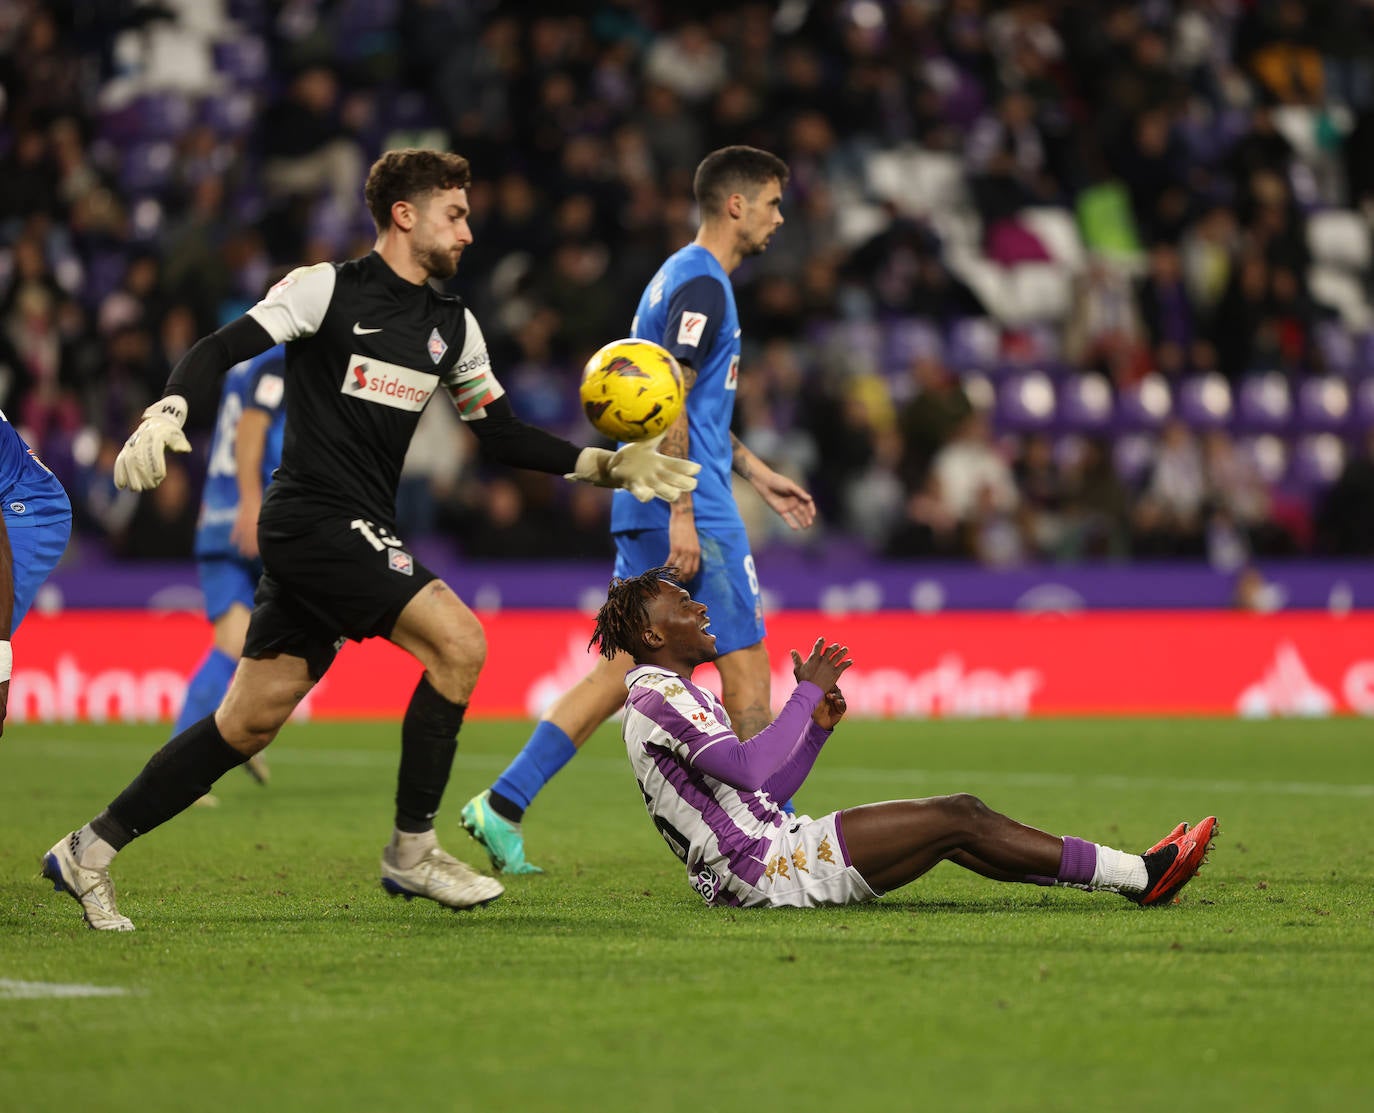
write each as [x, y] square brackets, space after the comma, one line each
[1060, 279]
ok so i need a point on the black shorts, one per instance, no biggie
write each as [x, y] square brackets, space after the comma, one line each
[326, 578]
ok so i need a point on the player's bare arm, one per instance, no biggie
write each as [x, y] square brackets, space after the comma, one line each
[792, 503]
[684, 546]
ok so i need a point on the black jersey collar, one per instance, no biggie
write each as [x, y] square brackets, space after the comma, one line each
[389, 278]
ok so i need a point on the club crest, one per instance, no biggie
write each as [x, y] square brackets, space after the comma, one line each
[437, 347]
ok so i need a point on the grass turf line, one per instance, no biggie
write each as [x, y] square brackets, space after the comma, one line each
[269, 970]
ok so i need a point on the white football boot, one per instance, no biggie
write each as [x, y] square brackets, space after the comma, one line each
[92, 889]
[439, 876]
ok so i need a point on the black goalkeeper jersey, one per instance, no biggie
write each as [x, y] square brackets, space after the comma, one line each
[365, 350]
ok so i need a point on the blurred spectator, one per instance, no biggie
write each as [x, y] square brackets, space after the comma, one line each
[1168, 517]
[1097, 519]
[1104, 331]
[927, 420]
[305, 148]
[969, 504]
[1345, 524]
[688, 61]
[163, 526]
[1169, 318]
[1240, 315]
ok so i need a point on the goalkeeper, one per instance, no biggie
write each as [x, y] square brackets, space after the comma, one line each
[367, 343]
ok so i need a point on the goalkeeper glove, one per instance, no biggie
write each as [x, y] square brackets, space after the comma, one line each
[140, 465]
[639, 468]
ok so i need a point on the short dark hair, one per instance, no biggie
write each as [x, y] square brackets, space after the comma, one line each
[624, 616]
[409, 174]
[735, 170]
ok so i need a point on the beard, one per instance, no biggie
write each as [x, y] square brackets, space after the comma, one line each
[758, 246]
[438, 262]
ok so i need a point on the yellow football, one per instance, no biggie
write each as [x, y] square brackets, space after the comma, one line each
[632, 390]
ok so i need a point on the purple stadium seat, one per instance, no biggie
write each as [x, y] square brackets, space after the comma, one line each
[1263, 403]
[243, 60]
[1133, 455]
[407, 109]
[145, 219]
[1085, 402]
[121, 125]
[1323, 404]
[147, 168]
[1025, 402]
[1362, 411]
[910, 339]
[104, 270]
[1338, 347]
[1204, 401]
[359, 17]
[1144, 405]
[973, 342]
[1364, 357]
[164, 115]
[230, 114]
[1269, 455]
[1318, 459]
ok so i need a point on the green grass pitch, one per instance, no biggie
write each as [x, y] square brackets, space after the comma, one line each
[270, 972]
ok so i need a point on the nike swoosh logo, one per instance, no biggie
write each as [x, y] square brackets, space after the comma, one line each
[358, 329]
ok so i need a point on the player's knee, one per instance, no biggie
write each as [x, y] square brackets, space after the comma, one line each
[463, 649]
[248, 731]
[965, 810]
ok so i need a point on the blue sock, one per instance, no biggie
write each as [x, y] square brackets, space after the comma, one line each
[789, 807]
[206, 689]
[547, 751]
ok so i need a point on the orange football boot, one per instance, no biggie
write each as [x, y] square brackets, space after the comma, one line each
[1169, 872]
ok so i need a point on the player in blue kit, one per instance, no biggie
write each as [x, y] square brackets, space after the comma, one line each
[245, 451]
[35, 523]
[688, 308]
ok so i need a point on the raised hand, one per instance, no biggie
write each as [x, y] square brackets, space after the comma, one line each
[824, 666]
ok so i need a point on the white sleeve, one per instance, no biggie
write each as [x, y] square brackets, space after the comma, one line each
[471, 383]
[296, 305]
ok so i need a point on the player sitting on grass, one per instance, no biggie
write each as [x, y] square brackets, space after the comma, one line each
[715, 798]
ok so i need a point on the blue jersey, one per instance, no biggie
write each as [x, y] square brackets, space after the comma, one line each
[31, 494]
[254, 385]
[689, 308]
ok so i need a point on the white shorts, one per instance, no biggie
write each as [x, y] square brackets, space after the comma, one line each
[808, 866]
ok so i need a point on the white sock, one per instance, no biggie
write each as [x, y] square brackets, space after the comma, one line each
[408, 847]
[1124, 873]
[92, 852]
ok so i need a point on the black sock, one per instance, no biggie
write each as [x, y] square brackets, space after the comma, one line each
[175, 777]
[111, 830]
[429, 739]
[505, 807]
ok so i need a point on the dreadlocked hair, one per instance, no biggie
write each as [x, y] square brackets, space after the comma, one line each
[625, 614]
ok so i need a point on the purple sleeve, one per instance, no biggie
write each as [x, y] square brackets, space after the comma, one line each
[749, 765]
[785, 782]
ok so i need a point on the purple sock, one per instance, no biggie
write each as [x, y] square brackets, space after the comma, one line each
[1077, 864]
[1079, 861]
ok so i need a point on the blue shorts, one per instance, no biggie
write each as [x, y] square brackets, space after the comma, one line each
[227, 580]
[726, 581]
[36, 549]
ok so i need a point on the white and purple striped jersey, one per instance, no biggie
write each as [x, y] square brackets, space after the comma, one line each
[714, 799]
